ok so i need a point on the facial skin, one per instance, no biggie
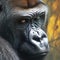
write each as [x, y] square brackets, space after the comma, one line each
[22, 24]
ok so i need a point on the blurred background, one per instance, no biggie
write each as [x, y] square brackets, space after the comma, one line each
[53, 29]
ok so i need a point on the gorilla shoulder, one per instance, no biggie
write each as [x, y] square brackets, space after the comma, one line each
[6, 51]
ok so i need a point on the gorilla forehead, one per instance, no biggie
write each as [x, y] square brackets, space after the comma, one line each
[27, 12]
[24, 3]
[21, 7]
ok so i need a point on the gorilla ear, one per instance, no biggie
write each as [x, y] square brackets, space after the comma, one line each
[0, 6]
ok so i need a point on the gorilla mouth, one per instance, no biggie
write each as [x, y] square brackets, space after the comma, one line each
[44, 53]
[37, 55]
[41, 54]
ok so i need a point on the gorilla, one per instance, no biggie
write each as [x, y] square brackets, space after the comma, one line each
[22, 30]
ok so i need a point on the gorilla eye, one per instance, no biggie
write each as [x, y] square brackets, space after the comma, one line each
[40, 18]
[42, 15]
[23, 21]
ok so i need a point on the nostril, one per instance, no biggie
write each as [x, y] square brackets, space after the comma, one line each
[36, 38]
[43, 36]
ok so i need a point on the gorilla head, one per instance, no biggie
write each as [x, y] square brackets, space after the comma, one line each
[22, 24]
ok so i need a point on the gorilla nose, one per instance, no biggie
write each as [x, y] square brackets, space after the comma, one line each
[39, 38]
[37, 34]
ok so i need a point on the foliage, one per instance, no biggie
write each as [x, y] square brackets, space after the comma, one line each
[53, 29]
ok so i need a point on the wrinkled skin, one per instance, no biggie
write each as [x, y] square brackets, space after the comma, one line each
[22, 25]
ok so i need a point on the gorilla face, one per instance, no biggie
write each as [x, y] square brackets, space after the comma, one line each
[23, 26]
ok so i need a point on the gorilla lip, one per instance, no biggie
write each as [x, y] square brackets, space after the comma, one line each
[43, 53]
[40, 54]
